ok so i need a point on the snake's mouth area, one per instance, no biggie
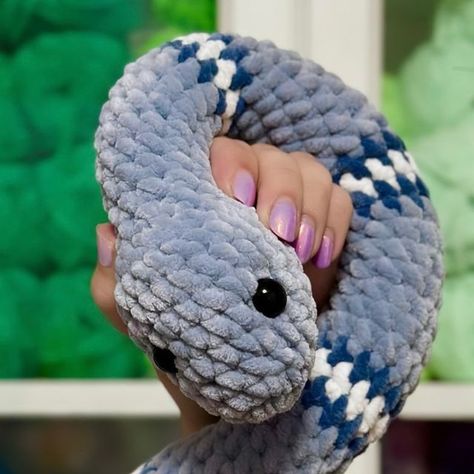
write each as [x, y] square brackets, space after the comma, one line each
[164, 360]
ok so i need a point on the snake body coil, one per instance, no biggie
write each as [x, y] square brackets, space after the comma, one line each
[220, 303]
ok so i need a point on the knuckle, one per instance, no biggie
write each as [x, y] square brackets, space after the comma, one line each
[324, 174]
[263, 148]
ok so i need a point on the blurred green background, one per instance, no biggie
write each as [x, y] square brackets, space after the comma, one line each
[58, 58]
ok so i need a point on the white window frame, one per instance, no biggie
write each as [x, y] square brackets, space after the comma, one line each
[344, 36]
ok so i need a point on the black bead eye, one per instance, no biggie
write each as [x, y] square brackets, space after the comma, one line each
[270, 298]
[164, 360]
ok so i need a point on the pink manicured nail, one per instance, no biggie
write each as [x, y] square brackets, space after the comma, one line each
[322, 259]
[304, 243]
[283, 219]
[244, 187]
[104, 250]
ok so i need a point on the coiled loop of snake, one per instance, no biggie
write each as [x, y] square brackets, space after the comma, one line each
[190, 259]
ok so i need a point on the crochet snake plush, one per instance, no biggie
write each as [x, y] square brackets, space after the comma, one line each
[220, 303]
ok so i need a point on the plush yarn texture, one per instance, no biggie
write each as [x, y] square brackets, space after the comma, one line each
[295, 393]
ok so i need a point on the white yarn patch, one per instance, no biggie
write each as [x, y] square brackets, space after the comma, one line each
[382, 172]
[194, 38]
[401, 165]
[210, 50]
[231, 99]
[371, 414]
[339, 383]
[357, 399]
[321, 365]
[364, 185]
[357, 402]
[377, 431]
[226, 69]
[412, 162]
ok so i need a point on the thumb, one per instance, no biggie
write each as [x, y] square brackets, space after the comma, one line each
[103, 278]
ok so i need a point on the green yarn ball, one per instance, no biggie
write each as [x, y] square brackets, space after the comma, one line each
[60, 82]
[395, 109]
[71, 200]
[454, 19]
[21, 20]
[19, 292]
[437, 82]
[116, 17]
[15, 144]
[22, 217]
[75, 339]
[453, 350]
[445, 161]
[188, 15]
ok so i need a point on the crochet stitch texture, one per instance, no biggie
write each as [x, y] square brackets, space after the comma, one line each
[296, 393]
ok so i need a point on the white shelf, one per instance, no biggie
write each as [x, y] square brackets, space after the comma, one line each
[440, 401]
[148, 398]
[85, 398]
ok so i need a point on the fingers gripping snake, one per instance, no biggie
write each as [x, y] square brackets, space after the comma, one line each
[220, 303]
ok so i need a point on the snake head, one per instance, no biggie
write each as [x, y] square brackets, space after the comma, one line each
[222, 306]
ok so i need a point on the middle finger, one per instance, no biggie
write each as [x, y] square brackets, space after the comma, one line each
[279, 191]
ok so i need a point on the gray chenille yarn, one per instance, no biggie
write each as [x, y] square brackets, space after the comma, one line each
[220, 303]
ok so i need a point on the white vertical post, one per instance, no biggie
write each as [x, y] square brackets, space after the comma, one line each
[262, 19]
[369, 462]
[344, 36]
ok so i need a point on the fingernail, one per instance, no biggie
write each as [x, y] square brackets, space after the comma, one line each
[283, 219]
[322, 259]
[104, 250]
[305, 241]
[244, 187]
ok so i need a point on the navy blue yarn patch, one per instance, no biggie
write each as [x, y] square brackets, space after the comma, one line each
[239, 109]
[315, 393]
[378, 383]
[234, 53]
[188, 51]
[392, 399]
[241, 79]
[354, 166]
[334, 413]
[208, 70]
[422, 189]
[221, 103]
[392, 203]
[347, 431]
[176, 44]
[339, 352]
[362, 203]
[358, 445]
[361, 370]
[389, 195]
[373, 149]
[393, 141]
[384, 189]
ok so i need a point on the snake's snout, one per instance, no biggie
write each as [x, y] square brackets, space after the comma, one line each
[164, 360]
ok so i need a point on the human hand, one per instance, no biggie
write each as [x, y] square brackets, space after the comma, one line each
[294, 196]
